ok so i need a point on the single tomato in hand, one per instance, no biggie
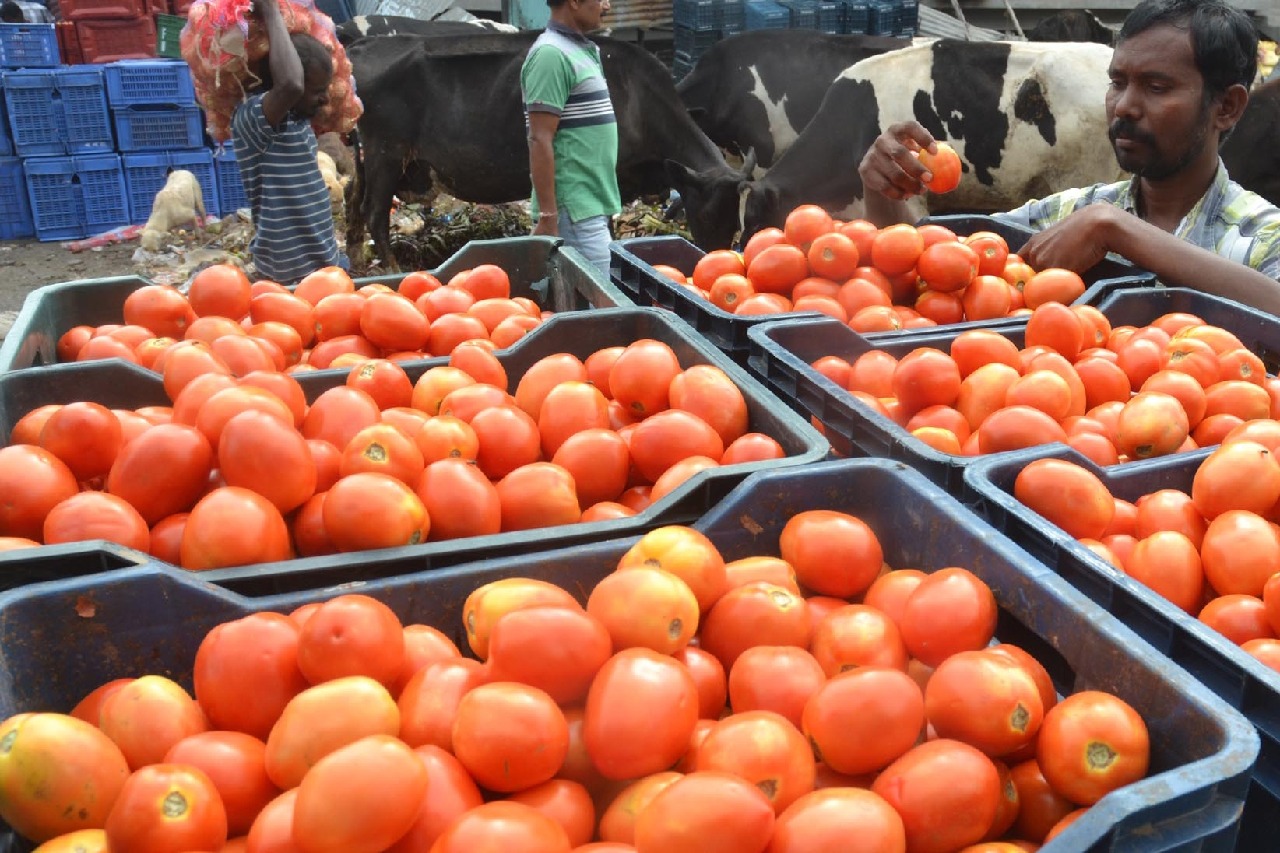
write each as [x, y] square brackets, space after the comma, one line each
[945, 166]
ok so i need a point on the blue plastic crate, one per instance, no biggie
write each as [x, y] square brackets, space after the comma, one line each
[82, 97]
[909, 18]
[158, 128]
[767, 15]
[830, 16]
[1222, 667]
[15, 207]
[701, 15]
[101, 179]
[857, 15]
[694, 43]
[131, 82]
[36, 121]
[75, 197]
[804, 13]
[28, 46]
[57, 209]
[6, 144]
[231, 196]
[145, 175]
[151, 620]
[733, 17]
[782, 352]
[883, 17]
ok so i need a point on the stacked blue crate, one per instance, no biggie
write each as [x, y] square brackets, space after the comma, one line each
[75, 197]
[6, 144]
[830, 16]
[231, 195]
[767, 15]
[29, 46]
[698, 24]
[159, 128]
[909, 18]
[883, 18]
[857, 15]
[15, 207]
[804, 13]
[57, 112]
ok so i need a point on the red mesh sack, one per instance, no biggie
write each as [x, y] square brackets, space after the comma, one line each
[225, 47]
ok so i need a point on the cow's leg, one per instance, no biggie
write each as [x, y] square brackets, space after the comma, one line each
[381, 172]
[357, 214]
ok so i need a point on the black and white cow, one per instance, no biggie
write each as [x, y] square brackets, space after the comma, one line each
[758, 90]
[1027, 119]
[1072, 25]
[1252, 152]
[447, 112]
[392, 25]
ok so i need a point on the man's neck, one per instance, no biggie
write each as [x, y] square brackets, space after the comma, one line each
[1166, 202]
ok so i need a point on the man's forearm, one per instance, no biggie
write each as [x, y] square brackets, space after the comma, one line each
[1179, 263]
[542, 172]
[286, 68]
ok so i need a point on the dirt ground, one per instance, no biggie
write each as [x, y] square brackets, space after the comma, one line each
[28, 264]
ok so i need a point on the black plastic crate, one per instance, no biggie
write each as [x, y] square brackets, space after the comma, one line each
[1222, 667]
[694, 43]
[150, 620]
[556, 280]
[118, 384]
[783, 350]
[632, 262]
[700, 15]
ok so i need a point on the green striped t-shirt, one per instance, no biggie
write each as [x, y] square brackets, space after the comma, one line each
[1228, 219]
[563, 75]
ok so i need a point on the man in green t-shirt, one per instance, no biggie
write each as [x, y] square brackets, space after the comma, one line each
[573, 133]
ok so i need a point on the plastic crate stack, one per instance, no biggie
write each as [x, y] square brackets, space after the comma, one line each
[60, 177]
[159, 128]
[700, 24]
[899, 18]
[101, 31]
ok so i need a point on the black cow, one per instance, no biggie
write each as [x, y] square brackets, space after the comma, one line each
[1027, 120]
[447, 112]
[1251, 153]
[391, 25]
[1072, 25]
[756, 91]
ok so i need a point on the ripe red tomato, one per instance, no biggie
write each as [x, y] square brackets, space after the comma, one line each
[236, 765]
[503, 825]
[685, 553]
[945, 166]
[58, 774]
[510, 736]
[147, 716]
[360, 798]
[641, 711]
[986, 700]
[428, 703]
[166, 808]
[256, 655]
[763, 748]
[450, 794]
[325, 718]
[33, 481]
[231, 526]
[864, 719]
[1090, 744]
[352, 635]
[826, 820]
[558, 650]
[832, 552]
[706, 812]
[952, 610]
[945, 791]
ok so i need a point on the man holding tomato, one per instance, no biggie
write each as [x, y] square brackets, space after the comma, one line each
[1180, 78]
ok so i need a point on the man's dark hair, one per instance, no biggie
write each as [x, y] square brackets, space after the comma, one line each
[311, 53]
[11, 13]
[1223, 39]
[554, 3]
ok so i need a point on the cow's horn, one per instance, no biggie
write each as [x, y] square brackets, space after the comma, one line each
[749, 162]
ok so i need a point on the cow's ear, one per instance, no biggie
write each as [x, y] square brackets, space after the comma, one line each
[679, 174]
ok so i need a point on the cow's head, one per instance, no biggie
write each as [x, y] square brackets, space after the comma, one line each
[760, 205]
[711, 200]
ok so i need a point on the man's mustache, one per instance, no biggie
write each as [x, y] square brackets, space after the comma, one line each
[1129, 130]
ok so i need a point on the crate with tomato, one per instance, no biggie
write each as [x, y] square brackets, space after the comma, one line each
[56, 318]
[593, 424]
[963, 694]
[1184, 550]
[955, 271]
[1146, 372]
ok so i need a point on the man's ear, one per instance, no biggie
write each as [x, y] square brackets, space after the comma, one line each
[1231, 107]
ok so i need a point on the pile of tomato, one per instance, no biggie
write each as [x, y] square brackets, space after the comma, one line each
[1214, 552]
[1114, 394]
[691, 705]
[325, 322]
[240, 469]
[875, 279]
